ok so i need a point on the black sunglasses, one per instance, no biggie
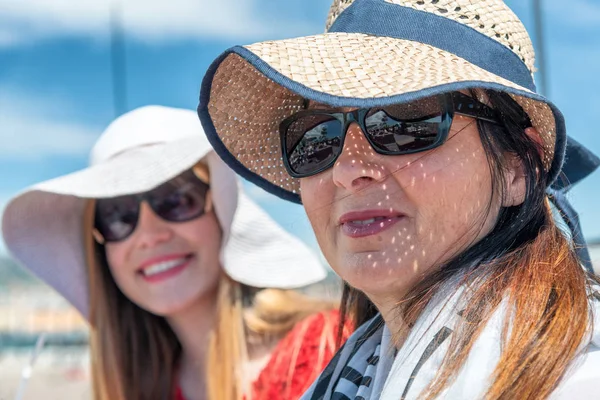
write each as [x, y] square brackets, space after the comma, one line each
[312, 140]
[181, 199]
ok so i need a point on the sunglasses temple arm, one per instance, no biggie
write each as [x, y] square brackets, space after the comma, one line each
[209, 203]
[98, 236]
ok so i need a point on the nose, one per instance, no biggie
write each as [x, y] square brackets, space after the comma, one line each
[358, 165]
[151, 230]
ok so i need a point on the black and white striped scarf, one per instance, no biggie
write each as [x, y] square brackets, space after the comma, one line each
[359, 369]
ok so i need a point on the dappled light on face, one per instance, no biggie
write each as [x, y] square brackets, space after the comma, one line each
[413, 249]
[430, 206]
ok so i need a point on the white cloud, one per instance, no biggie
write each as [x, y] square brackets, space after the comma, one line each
[31, 128]
[149, 20]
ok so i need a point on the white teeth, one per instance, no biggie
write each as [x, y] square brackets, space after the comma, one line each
[366, 221]
[163, 266]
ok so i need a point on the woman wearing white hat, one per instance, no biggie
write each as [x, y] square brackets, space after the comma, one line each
[413, 135]
[158, 247]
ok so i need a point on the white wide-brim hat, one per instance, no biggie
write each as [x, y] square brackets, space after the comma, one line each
[43, 227]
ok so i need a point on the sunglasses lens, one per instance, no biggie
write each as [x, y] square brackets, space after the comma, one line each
[117, 217]
[405, 128]
[312, 143]
[179, 200]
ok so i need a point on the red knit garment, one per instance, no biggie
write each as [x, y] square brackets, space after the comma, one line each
[299, 358]
[178, 394]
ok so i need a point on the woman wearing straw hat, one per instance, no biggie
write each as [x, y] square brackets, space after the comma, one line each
[136, 243]
[413, 135]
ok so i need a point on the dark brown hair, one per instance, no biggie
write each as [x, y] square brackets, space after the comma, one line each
[525, 260]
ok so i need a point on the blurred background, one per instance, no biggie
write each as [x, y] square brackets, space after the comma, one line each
[68, 67]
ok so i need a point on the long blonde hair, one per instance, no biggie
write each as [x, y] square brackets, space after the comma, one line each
[247, 315]
[135, 354]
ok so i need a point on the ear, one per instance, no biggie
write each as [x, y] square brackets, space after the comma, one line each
[515, 182]
[515, 178]
[534, 135]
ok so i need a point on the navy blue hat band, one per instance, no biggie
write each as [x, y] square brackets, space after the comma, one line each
[379, 18]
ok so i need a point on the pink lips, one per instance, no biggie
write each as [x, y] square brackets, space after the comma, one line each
[177, 263]
[369, 222]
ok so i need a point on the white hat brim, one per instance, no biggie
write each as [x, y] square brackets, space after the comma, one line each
[43, 227]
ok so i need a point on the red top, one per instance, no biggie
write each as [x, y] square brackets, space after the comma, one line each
[178, 394]
[298, 358]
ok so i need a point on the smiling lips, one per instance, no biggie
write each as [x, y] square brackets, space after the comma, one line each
[161, 268]
[369, 222]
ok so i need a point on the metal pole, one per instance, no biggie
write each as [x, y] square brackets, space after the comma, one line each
[28, 370]
[118, 62]
[541, 54]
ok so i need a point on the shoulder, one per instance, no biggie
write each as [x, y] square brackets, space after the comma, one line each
[325, 322]
[315, 334]
[300, 356]
[317, 331]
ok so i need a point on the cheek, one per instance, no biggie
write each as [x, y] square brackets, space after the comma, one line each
[205, 236]
[451, 189]
[317, 199]
[116, 256]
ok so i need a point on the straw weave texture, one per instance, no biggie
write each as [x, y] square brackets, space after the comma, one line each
[246, 107]
[493, 18]
[250, 128]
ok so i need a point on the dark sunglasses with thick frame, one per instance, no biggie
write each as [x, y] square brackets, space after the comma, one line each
[419, 132]
[181, 199]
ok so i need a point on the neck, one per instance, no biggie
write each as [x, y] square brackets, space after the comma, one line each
[193, 326]
[391, 311]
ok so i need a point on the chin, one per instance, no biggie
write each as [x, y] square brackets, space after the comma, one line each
[370, 273]
[170, 306]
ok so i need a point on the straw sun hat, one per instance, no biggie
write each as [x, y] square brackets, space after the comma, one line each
[374, 53]
[43, 226]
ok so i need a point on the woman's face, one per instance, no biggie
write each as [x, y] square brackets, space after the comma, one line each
[165, 267]
[385, 222]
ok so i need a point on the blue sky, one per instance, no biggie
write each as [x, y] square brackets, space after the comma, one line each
[56, 90]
